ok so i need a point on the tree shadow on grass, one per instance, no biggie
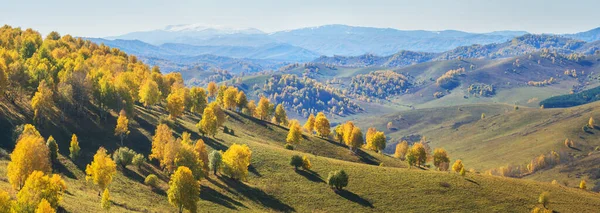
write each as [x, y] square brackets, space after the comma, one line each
[253, 170]
[159, 191]
[257, 195]
[366, 157]
[59, 167]
[310, 175]
[354, 198]
[213, 143]
[132, 175]
[214, 196]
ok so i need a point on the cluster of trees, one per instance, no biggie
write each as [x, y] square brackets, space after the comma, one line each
[544, 161]
[375, 140]
[350, 134]
[66, 73]
[319, 125]
[420, 154]
[571, 73]
[482, 90]
[570, 100]
[381, 84]
[541, 83]
[306, 95]
[450, 79]
[30, 173]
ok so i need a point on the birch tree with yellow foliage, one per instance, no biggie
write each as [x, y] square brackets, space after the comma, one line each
[101, 170]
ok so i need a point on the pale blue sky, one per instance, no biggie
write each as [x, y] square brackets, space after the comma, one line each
[115, 17]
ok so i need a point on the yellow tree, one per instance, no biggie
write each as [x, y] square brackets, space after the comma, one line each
[347, 131]
[582, 184]
[281, 115]
[122, 128]
[198, 99]
[44, 207]
[218, 112]
[221, 94]
[74, 147]
[176, 103]
[263, 110]
[37, 187]
[200, 147]
[29, 130]
[241, 100]
[309, 126]
[105, 202]
[369, 137]
[457, 166]
[188, 157]
[30, 154]
[42, 100]
[162, 136]
[236, 161]
[294, 134]
[417, 155]
[401, 149]
[184, 190]
[149, 93]
[440, 158]
[101, 170]
[209, 122]
[229, 98]
[338, 133]
[356, 139]
[251, 106]
[5, 203]
[212, 89]
[322, 126]
[378, 142]
[171, 150]
[186, 138]
[591, 122]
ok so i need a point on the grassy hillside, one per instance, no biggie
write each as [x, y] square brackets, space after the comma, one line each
[274, 186]
[505, 136]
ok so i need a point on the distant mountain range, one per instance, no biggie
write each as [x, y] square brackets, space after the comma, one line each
[252, 49]
[326, 40]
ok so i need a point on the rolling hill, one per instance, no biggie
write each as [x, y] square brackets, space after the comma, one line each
[508, 136]
[274, 186]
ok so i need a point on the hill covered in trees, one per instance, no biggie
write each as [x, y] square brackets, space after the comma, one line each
[90, 128]
[518, 46]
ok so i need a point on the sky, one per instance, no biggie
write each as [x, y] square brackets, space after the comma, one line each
[115, 17]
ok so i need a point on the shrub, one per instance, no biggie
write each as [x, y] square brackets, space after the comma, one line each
[582, 185]
[306, 165]
[296, 161]
[337, 179]
[288, 146]
[151, 180]
[139, 160]
[462, 172]
[544, 199]
[123, 156]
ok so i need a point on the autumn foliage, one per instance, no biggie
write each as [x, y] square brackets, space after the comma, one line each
[236, 161]
[30, 154]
